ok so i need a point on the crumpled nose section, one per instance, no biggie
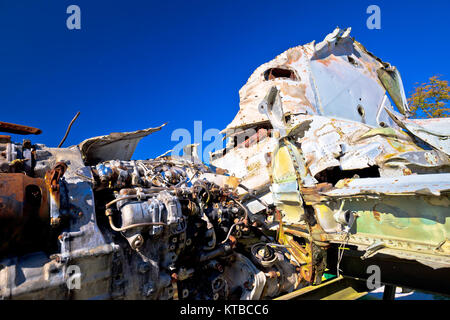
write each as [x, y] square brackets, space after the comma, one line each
[336, 77]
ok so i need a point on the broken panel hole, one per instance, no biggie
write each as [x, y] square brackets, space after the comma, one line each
[361, 112]
[274, 73]
[33, 196]
[352, 61]
[310, 215]
[248, 137]
[301, 241]
[333, 175]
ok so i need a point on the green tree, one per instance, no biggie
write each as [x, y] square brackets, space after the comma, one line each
[429, 99]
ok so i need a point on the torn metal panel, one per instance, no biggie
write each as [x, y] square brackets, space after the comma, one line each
[340, 123]
[349, 145]
[426, 161]
[288, 174]
[412, 227]
[119, 145]
[325, 164]
[346, 76]
[408, 215]
[250, 164]
[430, 184]
[391, 80]
[435, 132]
[336, 77]
[297, 94]
[76, 202]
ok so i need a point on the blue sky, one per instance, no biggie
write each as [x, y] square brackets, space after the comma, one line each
[137, 64]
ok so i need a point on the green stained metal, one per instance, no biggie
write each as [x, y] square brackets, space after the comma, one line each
[392, 83]
[287, 172]
[389, 132]
[411, 218]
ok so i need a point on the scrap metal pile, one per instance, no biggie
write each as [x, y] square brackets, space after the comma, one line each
[317, 160]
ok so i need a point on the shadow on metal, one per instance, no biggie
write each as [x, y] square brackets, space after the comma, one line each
[339, 288]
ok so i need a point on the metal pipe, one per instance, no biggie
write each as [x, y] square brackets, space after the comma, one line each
[68, 129]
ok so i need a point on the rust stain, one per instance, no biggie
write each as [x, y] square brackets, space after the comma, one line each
[18, 128]
[327, 61]
[293, 55]
[376, 215]
[407, 171]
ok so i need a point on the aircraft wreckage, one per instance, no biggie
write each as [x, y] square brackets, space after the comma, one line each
[323, 172]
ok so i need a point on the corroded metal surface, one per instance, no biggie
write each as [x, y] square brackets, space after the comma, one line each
[22, 199]
[317, 161]
[342, 156]
[325, 76]
[18, 128]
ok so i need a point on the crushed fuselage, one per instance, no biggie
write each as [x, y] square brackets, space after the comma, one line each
[317, 160]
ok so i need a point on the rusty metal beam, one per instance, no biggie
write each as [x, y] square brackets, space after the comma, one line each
[18, 128]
